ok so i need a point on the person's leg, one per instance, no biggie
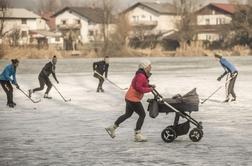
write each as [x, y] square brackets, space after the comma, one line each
[138, 108]
[227, 88]
[41, 84]
[128, 112]
[6, 90]
[231, 87]
[49, 86]
[10, 93]
[101, 80]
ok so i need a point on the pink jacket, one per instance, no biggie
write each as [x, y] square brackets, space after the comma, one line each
[138, 87]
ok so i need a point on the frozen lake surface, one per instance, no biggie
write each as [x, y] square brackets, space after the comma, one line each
[57, 133]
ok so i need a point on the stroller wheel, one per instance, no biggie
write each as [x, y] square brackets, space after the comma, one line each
[168, 135]
[196, 134]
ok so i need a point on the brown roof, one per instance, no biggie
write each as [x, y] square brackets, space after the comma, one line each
[92, 14]
[49, 20]
[226, 7]
[162, 8]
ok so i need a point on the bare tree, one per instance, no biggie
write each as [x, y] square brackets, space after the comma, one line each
[107, 19]
[4, 4]
[185, 11]
[123, 28]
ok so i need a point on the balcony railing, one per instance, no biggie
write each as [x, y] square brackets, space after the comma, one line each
[69, 26]
[144, 23]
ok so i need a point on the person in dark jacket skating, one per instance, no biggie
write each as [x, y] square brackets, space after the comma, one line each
[101, 67]
[8, 77]
[43, 78]
[232, 73]
[134, 95]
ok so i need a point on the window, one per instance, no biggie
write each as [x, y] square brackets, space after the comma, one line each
[143, 16]
[24, 34]
[57, 39]
[207, 21]
[63, 22]
[24, 21]
[91, 33]
[150, 18]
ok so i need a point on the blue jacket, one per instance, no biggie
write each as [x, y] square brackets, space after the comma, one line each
[228, 67]
[7, 73]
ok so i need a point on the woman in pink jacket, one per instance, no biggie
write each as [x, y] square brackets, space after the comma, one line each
[139, 86]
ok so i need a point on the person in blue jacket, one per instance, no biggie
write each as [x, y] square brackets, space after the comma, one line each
[232, 73]
[8, 77]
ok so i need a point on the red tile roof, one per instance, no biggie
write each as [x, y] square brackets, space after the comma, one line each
[230, 8]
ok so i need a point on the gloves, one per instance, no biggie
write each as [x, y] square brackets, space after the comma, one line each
[152, 86]
[219, 78]
[57, 82]
[17, 86]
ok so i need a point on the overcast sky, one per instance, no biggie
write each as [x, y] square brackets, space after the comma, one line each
[33, 4]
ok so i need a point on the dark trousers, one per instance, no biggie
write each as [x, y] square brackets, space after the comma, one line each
[43, 80]
[101, 81]
[130, 108]
[8, 89]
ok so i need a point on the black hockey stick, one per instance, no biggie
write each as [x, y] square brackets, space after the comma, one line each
[34, 101]
[110, 81]
[66, 100]
[216, 91]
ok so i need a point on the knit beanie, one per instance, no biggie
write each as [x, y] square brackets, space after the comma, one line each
[144, 64]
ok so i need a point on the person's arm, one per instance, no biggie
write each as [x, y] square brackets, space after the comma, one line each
[140, 82]
[225, 72]
[106, 70]
[54, 74]
[94, 66]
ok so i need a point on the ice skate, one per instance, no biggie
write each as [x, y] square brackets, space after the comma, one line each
[111, 130]
[139, 137]
[30, 91]
[47, 97]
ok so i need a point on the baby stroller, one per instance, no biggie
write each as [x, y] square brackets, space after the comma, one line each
[180, 105]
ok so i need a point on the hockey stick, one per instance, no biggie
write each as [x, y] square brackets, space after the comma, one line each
[34, 101]
[110, 81]
[66, 100]
[216, 90]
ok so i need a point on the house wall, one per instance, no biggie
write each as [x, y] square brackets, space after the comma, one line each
[164, 22]
[212, 16]
[70, 18]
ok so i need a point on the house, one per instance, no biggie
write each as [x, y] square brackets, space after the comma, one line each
[213, 19]
[81, 25]
[20, 21]
[152, 18]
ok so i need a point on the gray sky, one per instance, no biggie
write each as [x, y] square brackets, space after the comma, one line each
[123, 4]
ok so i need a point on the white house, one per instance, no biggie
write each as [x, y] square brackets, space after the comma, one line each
[22, 20]
[212, 19]
[152, 17]
[83, 23]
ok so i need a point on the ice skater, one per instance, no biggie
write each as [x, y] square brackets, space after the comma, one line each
[8, 77]
[43, 78]
[232, 73]
[101, 67]
[139, 86]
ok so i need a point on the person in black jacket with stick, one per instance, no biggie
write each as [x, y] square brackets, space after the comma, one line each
[101, 67]
[43, 77]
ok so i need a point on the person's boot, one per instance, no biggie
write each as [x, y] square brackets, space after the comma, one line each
[139, 137]
[30, 91]
[111, 130]
[11, 105]
[226, 101]
[102, 90]
[47, 97]
[233, 99]
[14, 103]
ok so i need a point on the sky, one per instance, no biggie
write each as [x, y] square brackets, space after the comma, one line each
[123, 4]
